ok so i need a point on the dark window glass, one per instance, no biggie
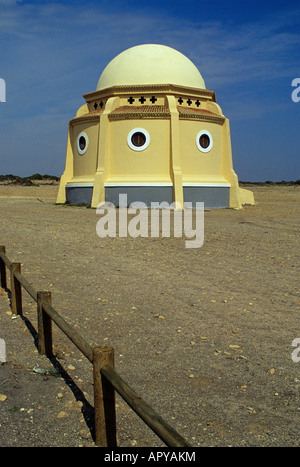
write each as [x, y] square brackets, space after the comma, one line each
[204, 141]
[138, 139]
[82, 143]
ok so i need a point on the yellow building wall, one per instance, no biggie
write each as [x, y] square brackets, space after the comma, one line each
[150, 165]
[200, 166]
[85, 164]
[171, 157]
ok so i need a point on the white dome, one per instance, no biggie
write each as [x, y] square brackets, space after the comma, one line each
[150, 64]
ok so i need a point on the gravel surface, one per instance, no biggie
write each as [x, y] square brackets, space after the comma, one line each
[203, 335]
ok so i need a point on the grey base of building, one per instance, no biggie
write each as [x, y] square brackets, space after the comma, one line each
[79, 195]
[142, 194]
[212, 197]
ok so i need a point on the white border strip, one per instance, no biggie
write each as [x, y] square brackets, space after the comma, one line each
[121, 184]
[225, 185]
[79, 185]
[138, 184]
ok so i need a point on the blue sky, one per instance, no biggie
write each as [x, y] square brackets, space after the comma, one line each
[248, 52]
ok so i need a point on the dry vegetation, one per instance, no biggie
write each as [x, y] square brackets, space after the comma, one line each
[204, 335]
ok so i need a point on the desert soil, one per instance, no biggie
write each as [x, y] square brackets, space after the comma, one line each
[204, 335]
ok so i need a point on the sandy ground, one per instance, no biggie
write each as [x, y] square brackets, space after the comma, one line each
[203, 335]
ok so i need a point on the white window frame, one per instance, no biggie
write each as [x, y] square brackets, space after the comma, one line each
[138, 148]
[84, 135]
[209, 147]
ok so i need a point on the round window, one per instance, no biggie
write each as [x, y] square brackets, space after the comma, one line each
[204, 141]
[82, 143]
[138, 139]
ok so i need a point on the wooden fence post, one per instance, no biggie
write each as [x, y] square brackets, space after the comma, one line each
[3, 270]
[15, 289]
[44, 325]
[104, 399]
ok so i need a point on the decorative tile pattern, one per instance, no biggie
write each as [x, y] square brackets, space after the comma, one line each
[144, 111]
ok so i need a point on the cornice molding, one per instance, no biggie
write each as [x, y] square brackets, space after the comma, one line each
[150, 112]
[141, 112]
[85, 118]
[186, 113]
[149, 89]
